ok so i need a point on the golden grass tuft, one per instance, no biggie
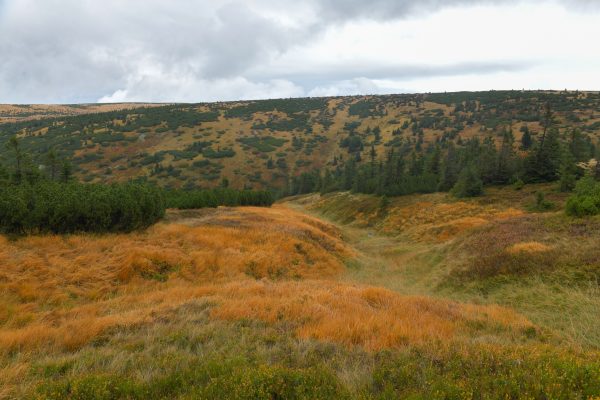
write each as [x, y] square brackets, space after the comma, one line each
[373, 318]
[528, 247]
[62, 291]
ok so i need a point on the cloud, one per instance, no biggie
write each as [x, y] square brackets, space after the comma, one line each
[393, 9]
[70, 50]
[192, 50]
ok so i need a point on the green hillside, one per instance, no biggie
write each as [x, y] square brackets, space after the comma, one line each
[264, 144]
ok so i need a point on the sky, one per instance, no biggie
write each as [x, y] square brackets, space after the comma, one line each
[87, 51]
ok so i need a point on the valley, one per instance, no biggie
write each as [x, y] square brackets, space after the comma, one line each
[316, 297]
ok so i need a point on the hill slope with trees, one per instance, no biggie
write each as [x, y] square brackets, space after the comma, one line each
[390, 144]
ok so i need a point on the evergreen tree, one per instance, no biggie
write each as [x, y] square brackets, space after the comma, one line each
[596, 171]
[450, 169]
[53, 163]
[526, 139]
[373, 156]
[349, 174]
[432, 166]
[15, 146]
[487, 165]
[543, 162]
[377, 133]
[506, 159]
[469, 184]
[578, 146]
[568, 172]
[67, 171]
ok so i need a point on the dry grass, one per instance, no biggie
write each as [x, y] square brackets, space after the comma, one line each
[68, 295]
[528, 247]
[426, 218]
[373, 318]
[64, 291]
[59, 294]
[17, 113]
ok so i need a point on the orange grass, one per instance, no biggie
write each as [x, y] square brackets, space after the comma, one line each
[53, 288]
[444, 221]
[528, 247]
[433, 217]
[62, 292]
[373, 318]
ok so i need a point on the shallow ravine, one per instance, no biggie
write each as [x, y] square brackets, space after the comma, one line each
[428, 268]
[384, 260]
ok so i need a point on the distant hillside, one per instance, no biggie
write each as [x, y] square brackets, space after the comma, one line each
[262, 144]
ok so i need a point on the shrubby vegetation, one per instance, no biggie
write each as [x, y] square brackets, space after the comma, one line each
[54, 207]
[32, 201]
[586, 200]
[188, 199]
[463, 168]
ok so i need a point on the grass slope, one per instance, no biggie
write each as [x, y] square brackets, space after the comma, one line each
[263, 143]
[240, 303]
[487, 250]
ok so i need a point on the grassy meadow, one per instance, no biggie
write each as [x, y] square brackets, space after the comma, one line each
[335, 296]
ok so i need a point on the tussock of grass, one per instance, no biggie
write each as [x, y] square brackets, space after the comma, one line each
[62, 292]
[370, 317]
[430, 218]
[545, 266]
[528, 247]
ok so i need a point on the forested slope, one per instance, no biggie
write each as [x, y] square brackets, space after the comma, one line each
[266, 144]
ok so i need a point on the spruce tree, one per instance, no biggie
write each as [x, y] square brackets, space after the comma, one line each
[506, 159]
[450, 169]
[488, 156]
[469, 184]
[568, 172]
[543, 162]
[526, 139]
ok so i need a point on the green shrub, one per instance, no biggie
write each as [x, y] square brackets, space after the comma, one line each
[52, 207]
[469, 184]
[586, 200]
[232, 379]
[541, 204]
[189, 199]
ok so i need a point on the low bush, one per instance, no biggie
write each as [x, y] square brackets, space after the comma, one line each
[230, 379]
[52, 207]
[586, 200]
[189, 199]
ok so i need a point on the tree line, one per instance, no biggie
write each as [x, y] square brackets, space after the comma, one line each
[462, 167]
[37, 200]
[189, 199]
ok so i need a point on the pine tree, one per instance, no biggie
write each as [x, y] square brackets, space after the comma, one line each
[15, 145]
[469, 184]
[488, 156]
[67, 171]
[349, 174]
[506, 159]
[578, 146]
[568, 171]
[543, 162]
[526, 139]
[373, 156]
[52, 160]
[433, 161]
[450, 169]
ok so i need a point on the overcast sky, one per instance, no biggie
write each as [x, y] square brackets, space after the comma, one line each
[74, 51]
